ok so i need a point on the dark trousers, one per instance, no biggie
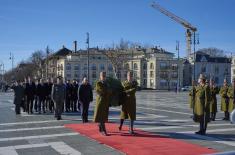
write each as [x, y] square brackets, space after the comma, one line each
[36, 104]
[17, 108]
[41, 104]
[67, 104]
[29, 105]
[50, 104]
[85, 109]
[226, 115]
[74, 104]
[203, 124]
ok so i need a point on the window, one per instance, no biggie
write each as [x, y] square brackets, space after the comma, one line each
[174, 75]
[151, 74]
[127, 67]
[94, 74]
[151, 83]
[164, 75]
[145, 74]
[163, 65]
[68, 76]
[234, 71]
[110, 68]
[174, 66]
[102, 67]
[76, 67]
[163, 83]
[93, 67]
[135, 66]
[85, 67]
[68, 67]
[76, 76]
[203, 69]
[216, 80]
[145, 66]
[151, 66]
[144, 82]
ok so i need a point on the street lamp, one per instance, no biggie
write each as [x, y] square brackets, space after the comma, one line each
[88, 56]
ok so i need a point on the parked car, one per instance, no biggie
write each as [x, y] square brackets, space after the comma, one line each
[186, 88]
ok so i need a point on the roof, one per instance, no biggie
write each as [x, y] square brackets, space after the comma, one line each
[62, 52]
[203, 57]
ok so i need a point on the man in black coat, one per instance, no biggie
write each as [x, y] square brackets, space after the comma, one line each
[18, 95]
[68, 96]
[85, 97]
[30, 90]
[49, 101]
[41, 93]
[74, 96]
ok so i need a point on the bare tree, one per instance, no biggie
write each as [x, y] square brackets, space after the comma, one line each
[212, 51]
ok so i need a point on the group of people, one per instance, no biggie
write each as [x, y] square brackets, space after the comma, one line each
[203, 101]
[50, 96]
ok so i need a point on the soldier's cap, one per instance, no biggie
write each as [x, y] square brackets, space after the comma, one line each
[202, 77]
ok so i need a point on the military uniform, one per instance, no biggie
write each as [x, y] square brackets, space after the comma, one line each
[231, 95]
[202, 107]
[129, 107]
[30, 90]
[192, 97]
[224, 101]
[68, 97]
[102, 102]
[19, 95]
[213, 101]
[58, 96]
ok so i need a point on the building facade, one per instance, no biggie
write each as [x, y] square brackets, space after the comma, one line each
[233, 68]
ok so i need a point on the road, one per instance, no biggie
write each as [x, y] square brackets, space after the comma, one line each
[163, 113]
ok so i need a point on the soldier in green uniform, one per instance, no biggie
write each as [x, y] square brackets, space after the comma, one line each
[231, 95]
[129, 106]
[224, 99]
[58, 94]
[102, 103]
[192, 95]
[213, 105]
[202, 105]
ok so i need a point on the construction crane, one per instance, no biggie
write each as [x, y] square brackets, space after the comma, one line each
[189, 28]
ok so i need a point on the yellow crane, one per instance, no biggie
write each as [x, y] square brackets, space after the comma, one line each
[189, 28]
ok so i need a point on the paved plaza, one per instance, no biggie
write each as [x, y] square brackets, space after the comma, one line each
[162, 113]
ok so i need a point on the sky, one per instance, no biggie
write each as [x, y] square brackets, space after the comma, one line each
[30, 25]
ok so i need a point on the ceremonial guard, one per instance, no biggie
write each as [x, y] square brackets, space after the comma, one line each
[192, 93]
[49, 99]
[41, 93]
[202, 105]
[231, 95]
[129, 106]
[102, 103]
[224, 100]
[58, 95]
[18, 95]
[214, 90]
[85, 97]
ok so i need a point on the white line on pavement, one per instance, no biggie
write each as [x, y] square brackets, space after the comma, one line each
[60, 147]
[28, 129]
[38, 136]
[176, 112]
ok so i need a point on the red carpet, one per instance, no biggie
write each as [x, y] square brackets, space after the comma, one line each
[142, 143]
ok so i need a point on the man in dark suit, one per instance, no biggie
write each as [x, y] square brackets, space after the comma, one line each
[85, 97]
[30, 90]
[68, 96]
[74, 96]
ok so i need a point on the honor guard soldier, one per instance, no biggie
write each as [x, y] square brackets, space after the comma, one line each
[58, 94]
[128, 110]
[214, 90]
[202, 105]
[102, 103]
[224, 100]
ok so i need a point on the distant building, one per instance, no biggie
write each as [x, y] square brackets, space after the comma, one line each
[216, 67]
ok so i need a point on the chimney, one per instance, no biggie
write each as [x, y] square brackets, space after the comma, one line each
[75, 46]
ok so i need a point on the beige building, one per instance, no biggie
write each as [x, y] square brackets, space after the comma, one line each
[153, 68]
[233, 68]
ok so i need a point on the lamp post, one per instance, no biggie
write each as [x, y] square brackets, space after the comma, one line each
[12, 60]
[178, 72]
[88, 56]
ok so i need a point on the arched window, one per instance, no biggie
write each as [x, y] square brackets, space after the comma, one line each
[135, 66]
[151, 66]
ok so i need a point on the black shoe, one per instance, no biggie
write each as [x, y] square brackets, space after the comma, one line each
[131, 132]
[224, 119]
[59, 118]
[104, 133]
[119, 128]
[100, 129]
[198, 132]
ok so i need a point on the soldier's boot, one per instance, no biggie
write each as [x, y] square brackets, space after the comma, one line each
[214, 116]
[121, 123]
[131, 130]
[100, 128]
